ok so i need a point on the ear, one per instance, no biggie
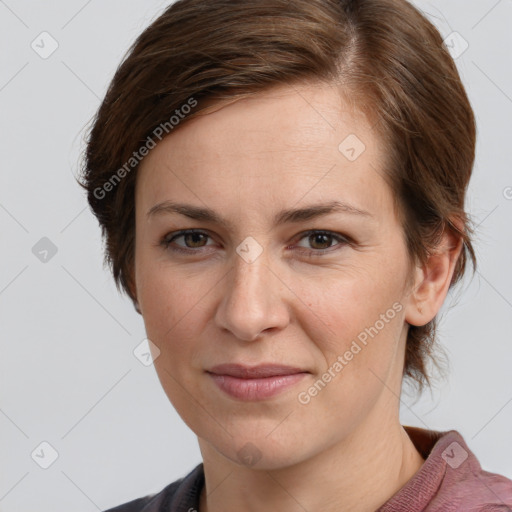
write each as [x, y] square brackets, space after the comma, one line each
[432, 280]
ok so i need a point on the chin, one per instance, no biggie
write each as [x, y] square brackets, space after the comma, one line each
[260, 452]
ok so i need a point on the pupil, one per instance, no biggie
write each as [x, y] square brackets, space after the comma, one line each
[194, 237]
[319, 236]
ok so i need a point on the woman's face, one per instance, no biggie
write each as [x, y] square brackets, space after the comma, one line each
[324, 293]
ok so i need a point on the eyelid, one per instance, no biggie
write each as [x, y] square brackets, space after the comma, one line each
[170, 237]
[342, 239]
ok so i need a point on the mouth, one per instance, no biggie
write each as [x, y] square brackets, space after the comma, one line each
[257, 382]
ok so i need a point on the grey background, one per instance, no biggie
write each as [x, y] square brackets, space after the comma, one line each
[68, 373]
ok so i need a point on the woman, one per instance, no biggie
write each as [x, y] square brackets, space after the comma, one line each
[282, 190]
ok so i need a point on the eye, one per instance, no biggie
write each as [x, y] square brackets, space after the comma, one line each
[324, 239]
[193, 240]
[320, 241]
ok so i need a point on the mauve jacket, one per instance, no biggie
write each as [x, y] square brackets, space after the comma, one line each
[450, 480]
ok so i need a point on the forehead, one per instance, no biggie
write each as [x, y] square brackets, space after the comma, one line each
[290, 141]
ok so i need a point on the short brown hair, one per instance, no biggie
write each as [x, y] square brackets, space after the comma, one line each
[388, 59]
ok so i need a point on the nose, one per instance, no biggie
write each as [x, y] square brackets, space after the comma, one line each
[254, 299]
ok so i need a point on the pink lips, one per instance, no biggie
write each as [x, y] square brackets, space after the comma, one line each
[255, 383]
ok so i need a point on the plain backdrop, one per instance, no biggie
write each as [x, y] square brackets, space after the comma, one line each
[69, 377]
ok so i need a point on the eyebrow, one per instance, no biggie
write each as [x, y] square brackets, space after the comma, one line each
[283, 217]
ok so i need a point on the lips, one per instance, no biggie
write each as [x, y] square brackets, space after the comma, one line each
[254, 372]
[253, 383]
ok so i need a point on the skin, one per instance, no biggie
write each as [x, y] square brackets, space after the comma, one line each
[345, 450]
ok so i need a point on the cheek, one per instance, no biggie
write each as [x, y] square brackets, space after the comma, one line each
[172, 318]
[341, 309]
[356, 327]
[172, 308]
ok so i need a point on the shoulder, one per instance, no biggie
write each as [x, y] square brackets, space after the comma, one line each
[467, 485]
[183, 492]
[482, 491]
[149, 503]
[451, 479]
[132, 506]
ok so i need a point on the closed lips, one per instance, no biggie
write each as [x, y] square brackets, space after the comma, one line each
[255, 372]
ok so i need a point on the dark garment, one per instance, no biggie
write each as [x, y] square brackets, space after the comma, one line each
[450, 480]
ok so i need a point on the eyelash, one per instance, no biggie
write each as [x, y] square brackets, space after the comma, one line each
[170, 237]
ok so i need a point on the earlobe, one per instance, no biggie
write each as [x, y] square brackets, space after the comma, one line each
[433, 281]
[414, 314]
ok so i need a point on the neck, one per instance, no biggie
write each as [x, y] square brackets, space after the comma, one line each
[361, 473]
